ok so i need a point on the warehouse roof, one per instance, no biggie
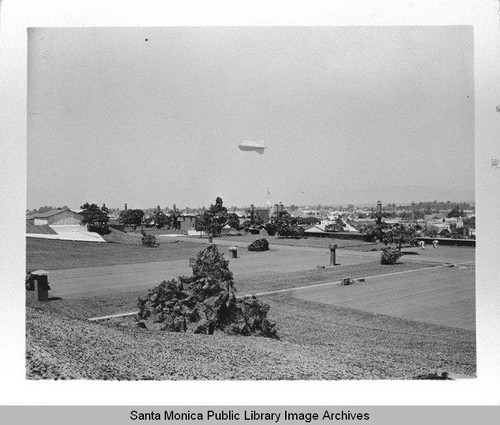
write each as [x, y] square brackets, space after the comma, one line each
[47, 214]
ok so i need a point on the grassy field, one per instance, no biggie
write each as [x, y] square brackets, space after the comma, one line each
[314, 242]
[125, 301]
[57, 255]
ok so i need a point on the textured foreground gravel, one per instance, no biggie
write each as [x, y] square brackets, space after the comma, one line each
[346, 344]
[62, 348]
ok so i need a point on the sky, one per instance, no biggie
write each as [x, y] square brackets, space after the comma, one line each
[154, 116]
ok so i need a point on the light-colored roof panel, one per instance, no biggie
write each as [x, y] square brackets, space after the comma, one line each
[48, 214]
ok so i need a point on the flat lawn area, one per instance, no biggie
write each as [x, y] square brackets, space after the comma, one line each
[119, 300]
[444, 252]
[443, 296]
[309, 241]
[48, 254]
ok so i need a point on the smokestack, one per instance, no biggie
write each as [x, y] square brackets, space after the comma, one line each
[379, 212]
[412, 210]
[125, 207]
[159, 210]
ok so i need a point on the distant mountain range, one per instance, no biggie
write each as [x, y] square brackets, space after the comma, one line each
[402, 195]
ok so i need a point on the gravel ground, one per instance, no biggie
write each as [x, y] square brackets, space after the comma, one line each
[317, 343]
[63, 348]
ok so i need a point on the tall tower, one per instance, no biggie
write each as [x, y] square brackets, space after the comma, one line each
[268, 200]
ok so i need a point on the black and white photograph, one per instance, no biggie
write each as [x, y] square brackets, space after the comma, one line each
[251, 203]
[248, 208]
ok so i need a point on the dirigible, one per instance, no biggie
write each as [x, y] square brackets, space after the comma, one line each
[252, 146]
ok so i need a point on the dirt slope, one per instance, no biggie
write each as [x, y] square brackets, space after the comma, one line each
[117, 236]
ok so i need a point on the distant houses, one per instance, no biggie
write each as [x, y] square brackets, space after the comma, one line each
[321, 221]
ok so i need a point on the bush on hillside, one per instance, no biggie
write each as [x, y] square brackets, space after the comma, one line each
[205, 302]
[210, 262]
[259, 245]
[148, 240]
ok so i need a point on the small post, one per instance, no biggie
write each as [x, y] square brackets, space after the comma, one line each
[333, 256]
[41, 287]
[379, 212]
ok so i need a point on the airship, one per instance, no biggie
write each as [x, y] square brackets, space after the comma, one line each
[252, 146]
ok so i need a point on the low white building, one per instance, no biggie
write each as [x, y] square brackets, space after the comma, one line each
[55, 217]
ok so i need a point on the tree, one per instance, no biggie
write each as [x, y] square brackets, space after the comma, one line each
[234, 221]
[339, 224]
[286, 225]
[374, 232]
[161, 219]
[253, 222]
[431, 231]
[470, 222]
[44, 209]
[455, 212]
[132, 218]
[94, 216]
[400, 235]
[213, 220]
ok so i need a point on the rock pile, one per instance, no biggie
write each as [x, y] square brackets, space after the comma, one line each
[204, 303]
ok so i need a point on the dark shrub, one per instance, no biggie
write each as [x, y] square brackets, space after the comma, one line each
[204, 302]
[211, 263]
[390, 256]
[270, 229]
[148, 240]
[259, 245]
[97, 229]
